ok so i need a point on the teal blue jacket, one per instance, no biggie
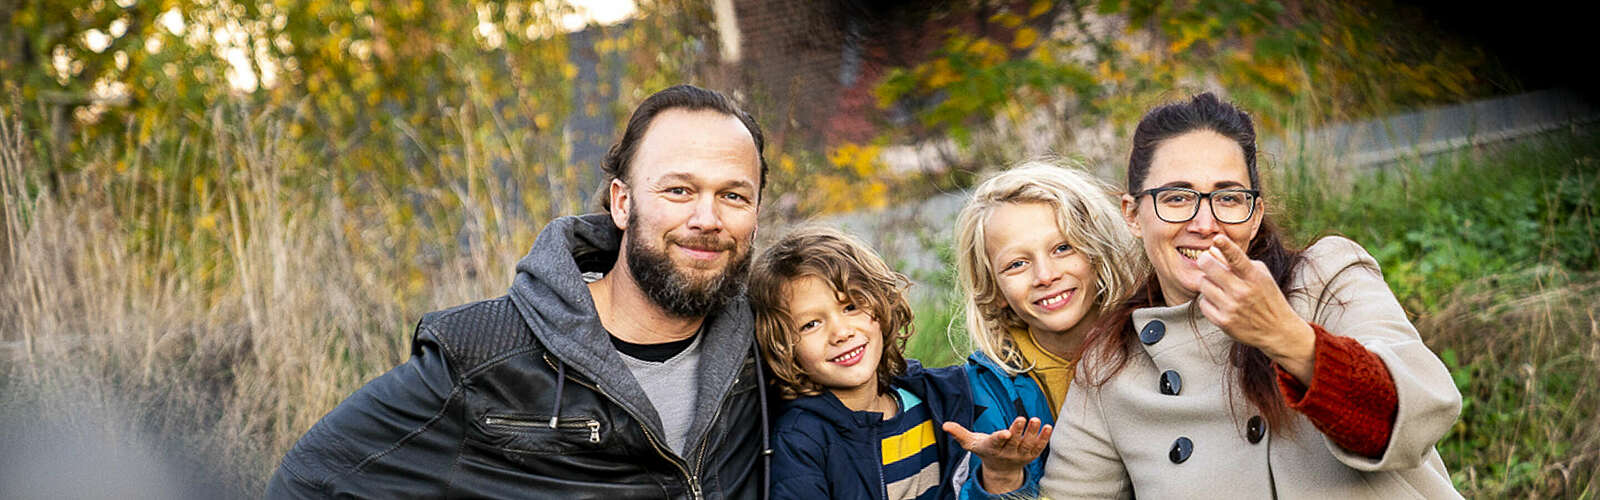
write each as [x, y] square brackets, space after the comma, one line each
[1000, 399]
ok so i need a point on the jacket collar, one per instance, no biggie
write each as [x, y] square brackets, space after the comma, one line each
[947, 395]
[550, 292]
[1184, 328]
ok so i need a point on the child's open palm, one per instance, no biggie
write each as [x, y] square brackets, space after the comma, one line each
[1004, 452]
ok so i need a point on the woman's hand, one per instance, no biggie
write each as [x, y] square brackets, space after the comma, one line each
[1004, 452]
[1239, 295]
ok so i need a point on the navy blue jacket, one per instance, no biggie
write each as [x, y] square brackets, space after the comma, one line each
[823, 450]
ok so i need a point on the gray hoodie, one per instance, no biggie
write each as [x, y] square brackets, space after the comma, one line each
[554, 299]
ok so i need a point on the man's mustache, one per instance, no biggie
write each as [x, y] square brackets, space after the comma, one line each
[703, 242]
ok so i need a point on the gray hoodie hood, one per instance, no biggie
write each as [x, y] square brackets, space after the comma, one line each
[550, 293]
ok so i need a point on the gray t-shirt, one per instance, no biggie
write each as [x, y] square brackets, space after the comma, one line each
[673, 387]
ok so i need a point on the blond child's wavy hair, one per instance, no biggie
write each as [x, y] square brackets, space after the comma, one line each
[1086, 215]
[855, 271]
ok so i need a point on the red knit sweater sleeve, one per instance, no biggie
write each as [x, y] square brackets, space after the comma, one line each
[1351, 398]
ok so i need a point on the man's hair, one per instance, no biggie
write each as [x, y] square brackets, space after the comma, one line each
[619, 159]
[855, 272]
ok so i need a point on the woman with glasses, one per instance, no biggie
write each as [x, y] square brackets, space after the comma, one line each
[1245, 368]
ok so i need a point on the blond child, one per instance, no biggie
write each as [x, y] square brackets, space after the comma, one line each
[1041, 251]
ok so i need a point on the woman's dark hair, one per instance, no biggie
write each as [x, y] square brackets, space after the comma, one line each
[619, 159]
[1107, 345]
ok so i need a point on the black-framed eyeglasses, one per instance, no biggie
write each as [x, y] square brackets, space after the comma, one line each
[1178, 205]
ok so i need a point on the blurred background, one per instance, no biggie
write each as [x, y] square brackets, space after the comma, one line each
[221, 217]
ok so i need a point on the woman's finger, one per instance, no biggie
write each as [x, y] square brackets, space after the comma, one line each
[1218, 271]
[1231, 253]
[1222, 299]
[1212, 313]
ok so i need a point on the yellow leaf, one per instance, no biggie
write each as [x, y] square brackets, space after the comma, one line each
[570, 71]
[942, 75]
[1024, 38]
[877, 195]
[842, 155]
[978, 47]
[865, 161]
[208, 222]
[1039, 8]
[542, 120]
[1275, 74]
[1007, 19]
[989, 53]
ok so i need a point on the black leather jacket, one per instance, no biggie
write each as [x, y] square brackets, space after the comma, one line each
[470, 415]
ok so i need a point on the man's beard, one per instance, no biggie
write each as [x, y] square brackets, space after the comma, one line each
[676, 291]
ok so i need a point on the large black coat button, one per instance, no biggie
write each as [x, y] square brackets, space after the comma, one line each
[1181, 449]
[1255, 429]
[1171, 383]
[1152, 332]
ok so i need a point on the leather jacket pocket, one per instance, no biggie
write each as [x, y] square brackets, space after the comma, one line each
[525, 433]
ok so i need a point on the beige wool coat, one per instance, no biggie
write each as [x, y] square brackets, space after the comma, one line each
[1118, 440]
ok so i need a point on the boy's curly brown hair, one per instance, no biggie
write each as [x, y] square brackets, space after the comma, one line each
[853, 269]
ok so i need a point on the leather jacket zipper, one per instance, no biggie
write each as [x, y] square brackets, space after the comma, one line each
[694, 481]
[700, 449]
[570, 424]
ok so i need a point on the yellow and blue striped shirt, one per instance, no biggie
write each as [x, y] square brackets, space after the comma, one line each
[910, 457]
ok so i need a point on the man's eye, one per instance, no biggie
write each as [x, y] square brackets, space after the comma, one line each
[678, 191]
[734, 197]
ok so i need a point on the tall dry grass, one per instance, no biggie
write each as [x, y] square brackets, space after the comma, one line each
[1524, 348]
[224, 310]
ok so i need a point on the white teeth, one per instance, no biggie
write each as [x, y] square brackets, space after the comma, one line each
[852, 353]
[1053, 300]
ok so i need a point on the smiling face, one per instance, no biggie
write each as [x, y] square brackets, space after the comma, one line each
[837, 343]
[688, 210]
[1045, 281]
[1205, 161]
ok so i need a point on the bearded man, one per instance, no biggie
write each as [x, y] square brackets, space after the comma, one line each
[621, 363]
